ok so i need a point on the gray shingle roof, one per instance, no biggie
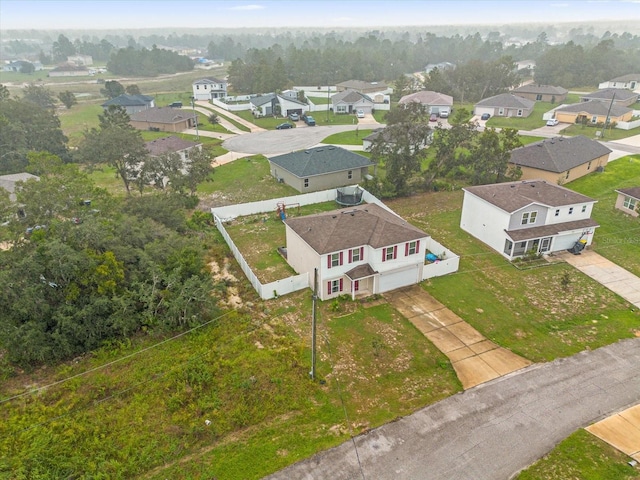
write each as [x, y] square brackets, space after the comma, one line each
[262, 99]
[558, 154]
[367, 224]
[162, 115]
[540, 89]
[129, 100]
[595, 107]
[608, 93]
[349, 96]
[172, 144]
[427, 97]
[319, 161]
[550, 230]
[513, 196]
[631, 192]
[208, 81]
[506, 100]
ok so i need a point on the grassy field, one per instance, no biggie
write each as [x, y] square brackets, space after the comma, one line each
[352, 137]
[582, 456]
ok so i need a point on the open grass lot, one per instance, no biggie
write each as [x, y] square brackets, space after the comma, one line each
[352, 137]
[582, 456]
[590, 131]
[618, 237]
[527, 311]
[531, 122]
[243, 180]
[247, 373]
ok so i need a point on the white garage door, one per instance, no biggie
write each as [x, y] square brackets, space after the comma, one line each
[396, 279]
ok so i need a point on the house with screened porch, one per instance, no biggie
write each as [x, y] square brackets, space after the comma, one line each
[533, 216]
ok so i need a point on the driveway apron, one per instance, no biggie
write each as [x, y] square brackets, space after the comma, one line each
[474, 358]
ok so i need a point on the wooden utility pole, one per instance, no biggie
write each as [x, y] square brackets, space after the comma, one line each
[313, 325]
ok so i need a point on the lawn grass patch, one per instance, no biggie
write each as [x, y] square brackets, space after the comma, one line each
[533, 121]
[243, 180]
[79, 119]
[528, 311]
[590, 131]
[618, 237]
[352, 137]
[583, 456]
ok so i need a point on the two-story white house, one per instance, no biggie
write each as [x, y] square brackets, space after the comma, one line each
[209, 88]
[517, 218]
[360, 250]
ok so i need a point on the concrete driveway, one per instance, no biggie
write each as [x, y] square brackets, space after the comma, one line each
[492, 431]
[621, 431]
[474, 358]
[607, 273]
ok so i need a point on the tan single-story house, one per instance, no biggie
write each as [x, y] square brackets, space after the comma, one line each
[164, 119]
[629, 200]
[541, 93]
[505, 105]
[436, 102]
[560, 159]
[593, 112]
[350, 101]
[171, 144]
[618, 96]
[319, 168]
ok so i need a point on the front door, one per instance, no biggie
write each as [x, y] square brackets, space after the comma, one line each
[545, 245]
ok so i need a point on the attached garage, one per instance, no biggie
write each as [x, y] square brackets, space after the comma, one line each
[398, 278]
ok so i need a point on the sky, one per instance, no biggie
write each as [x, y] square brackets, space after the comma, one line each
[129, 14]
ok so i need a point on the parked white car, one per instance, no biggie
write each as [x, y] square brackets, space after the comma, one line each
[552, 122]
[360, 114]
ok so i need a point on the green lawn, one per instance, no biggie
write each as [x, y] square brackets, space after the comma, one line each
[618, 237]
[531, 122]
[582, 456]
[352, 137]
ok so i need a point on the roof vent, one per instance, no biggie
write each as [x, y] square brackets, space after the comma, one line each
[513, 186]
[334, 216]
[533, 185]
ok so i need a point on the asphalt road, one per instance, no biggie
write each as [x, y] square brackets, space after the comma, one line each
[490, 432]
[276, 142]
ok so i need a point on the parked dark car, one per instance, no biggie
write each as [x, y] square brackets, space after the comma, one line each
[309, 120]
[176, 105]
[284, 126]
[485, 116]
[433, 117]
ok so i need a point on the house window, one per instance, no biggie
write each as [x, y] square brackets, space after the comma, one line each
[589, 166]
[528, 217]
[501, 111]
[508, 245]
[350, 174]
[519, 113]
[594, 119]
[539, 96]
[341, 109]
[334, 286]
[557, 212]
[356, 254]
[334, 260]
[584, 208]
[570, 210]
[389, 253]
[411, 248]
[306, 183]
[197, 87]
[629, 203]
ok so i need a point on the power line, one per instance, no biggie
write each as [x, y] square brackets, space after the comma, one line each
[53, 384]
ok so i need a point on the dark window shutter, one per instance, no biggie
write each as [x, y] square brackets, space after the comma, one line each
[340, 284]
[418, 246]
[341, 258]
[328, 288]
[361, 253]
[395, 252]
[406, 249]
[384, 254]
[329, 261]
[350, 256]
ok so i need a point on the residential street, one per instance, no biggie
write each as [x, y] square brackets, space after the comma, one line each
[492, 431]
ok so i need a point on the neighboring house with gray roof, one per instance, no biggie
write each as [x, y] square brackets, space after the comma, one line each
[517, 218]
[541, 93]
[350, 101]
[364, 87]
[560, 159]
[319, 168]
[209, 88]
[131, 103]
[624, 98]
[593, 111]
[164, 119]
[505, 105]
[363, 250]
[171, 144]
[630, 81]
[436, 102]
[629, 200]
